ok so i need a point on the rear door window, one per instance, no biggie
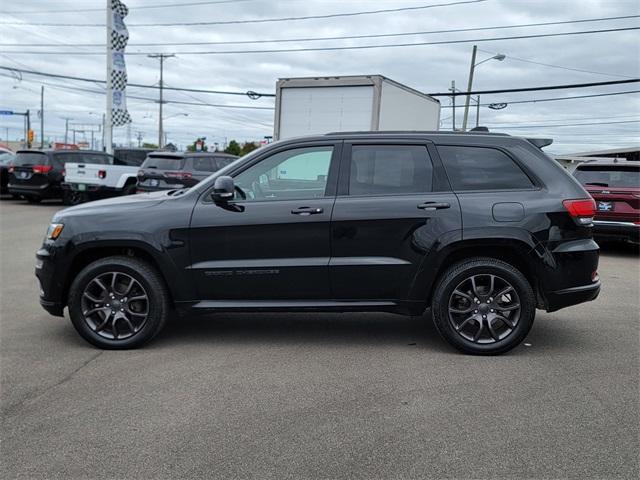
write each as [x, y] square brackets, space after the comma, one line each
[27, 159]
[482, 168]
[164, 162]
[203, 164]
[221, 162]
[605, 176]
[390, 170]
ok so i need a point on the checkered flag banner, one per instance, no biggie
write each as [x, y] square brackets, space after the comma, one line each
[119, 36]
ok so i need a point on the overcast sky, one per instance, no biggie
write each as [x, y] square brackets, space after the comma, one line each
[429, 68]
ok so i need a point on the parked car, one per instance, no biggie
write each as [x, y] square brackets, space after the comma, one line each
[615, 186]
[6, 160]
[481, 228]
[133, 157]
[170, 170]
[38, 174]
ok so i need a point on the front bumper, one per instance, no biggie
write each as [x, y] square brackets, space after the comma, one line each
[617, 231]
[50, 286]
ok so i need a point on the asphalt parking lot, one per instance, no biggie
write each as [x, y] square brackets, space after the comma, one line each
[315, 396]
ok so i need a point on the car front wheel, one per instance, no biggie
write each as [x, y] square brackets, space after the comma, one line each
[483, 306]
[118, 303]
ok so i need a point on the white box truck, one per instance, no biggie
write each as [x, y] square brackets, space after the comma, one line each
[308, 106]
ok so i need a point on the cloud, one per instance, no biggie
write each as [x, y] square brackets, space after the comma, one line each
[427, 68]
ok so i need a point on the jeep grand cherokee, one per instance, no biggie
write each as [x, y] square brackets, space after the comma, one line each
[481, 228]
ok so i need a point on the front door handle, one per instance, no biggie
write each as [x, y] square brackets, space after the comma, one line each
[433, 205]
[307, 211]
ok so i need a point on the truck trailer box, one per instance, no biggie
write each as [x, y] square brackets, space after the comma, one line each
[308, 106]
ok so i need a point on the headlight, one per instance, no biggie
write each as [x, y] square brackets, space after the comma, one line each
[54, 231]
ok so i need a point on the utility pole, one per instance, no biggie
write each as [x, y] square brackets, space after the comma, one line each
[28, 129]
[161, 57]
[66, 130]
[139, 137]
[453, 102]
[469, 85]
[42, 117]
[478, 111]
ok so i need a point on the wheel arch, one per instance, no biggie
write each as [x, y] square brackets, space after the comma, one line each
[516, 252]
[93, 252]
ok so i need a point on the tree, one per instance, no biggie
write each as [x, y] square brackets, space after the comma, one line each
[233, 148]
[149, 145]
[248, 147]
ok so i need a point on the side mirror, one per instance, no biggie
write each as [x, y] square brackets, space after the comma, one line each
[223, 189]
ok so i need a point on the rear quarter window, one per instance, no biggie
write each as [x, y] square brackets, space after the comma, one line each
[482, 168]
[203, 164]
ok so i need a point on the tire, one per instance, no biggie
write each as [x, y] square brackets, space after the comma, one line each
[129, 189]
[468, 316]
[98, 314]
[70, 197]
[32, 199]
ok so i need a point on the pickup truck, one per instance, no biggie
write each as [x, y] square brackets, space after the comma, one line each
[109, 177]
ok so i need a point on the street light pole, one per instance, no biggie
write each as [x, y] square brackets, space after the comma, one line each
[499, 56]
[468, 98]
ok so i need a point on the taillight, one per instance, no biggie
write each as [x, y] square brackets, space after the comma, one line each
[42, 168]
[102, 173]
[182, 175]
[581, 210]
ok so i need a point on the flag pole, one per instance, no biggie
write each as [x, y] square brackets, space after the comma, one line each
[108, 123]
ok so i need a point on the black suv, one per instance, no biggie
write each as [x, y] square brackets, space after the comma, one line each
[169, 170]
[482, 228]
[38, 174]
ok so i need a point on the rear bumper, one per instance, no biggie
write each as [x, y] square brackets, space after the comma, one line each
[42, 191]
[614, 230]
[93, 191]
[572, 296]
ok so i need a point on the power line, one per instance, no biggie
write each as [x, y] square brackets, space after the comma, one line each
[251, 94]
[258, 20]
[563, 125]
[511, 57]
[553, 99]
[142, 7]
[345, 37]
[439, 94]
[535, 89]
[357, 47]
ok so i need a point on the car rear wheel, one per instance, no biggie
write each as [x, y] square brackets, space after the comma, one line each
[118, 303]
[483, 306]
[71, 197]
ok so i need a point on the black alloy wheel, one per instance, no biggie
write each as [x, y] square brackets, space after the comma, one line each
[115, 305]
[118, 302]
[483, 306]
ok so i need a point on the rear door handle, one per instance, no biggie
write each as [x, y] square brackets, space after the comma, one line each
[433, 205]
[307, 211]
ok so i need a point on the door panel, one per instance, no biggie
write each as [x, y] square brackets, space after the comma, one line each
[273, 244]
[379, 240]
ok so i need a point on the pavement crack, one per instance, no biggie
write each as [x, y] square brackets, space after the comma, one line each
[35, 395]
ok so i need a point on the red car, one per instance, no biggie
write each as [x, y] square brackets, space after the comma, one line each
[615, 186]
